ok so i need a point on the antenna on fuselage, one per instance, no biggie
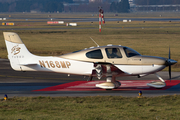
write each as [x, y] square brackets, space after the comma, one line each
[94, 42]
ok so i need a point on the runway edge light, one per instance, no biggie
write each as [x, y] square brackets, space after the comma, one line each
[5, 97]
[140, 94]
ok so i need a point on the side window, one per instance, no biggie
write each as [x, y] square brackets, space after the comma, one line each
[96, 54]
[113, 53]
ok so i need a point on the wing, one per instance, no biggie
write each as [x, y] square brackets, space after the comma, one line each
[106, 69]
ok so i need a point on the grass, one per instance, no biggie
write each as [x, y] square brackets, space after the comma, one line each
[91, 108]
[93, 14]
[149, 38]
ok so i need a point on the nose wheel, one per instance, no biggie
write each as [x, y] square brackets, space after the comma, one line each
[159, 84]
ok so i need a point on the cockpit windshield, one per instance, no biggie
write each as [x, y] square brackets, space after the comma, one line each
[130, 52]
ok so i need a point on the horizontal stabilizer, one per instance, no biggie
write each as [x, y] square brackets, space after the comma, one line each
[30, 64]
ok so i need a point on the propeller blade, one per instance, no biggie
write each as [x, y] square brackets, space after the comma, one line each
[169, 53]
[169, 64]
[170, 73]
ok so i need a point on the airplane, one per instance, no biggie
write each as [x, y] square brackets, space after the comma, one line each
[109, 61]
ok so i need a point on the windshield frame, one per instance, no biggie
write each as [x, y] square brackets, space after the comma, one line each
[131, 53]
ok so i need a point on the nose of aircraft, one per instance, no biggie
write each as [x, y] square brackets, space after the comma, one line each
[170, 62]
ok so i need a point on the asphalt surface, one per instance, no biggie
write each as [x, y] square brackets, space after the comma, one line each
[87, 20]
[19, 84]
[96, 19]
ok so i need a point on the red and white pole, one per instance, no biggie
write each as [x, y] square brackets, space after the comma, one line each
[99, 22]
[102, 16]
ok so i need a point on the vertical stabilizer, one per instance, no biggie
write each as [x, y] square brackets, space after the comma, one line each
[17, 52]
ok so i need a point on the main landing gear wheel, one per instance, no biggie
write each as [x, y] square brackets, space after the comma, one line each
[109, 84]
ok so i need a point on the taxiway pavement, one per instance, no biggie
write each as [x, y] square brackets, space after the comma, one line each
[19, 84]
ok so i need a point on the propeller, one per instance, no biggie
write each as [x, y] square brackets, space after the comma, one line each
[169, 63]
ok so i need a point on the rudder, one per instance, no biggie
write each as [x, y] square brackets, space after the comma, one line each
[17, 52]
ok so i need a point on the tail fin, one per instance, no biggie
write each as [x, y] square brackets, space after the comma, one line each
[18, 54]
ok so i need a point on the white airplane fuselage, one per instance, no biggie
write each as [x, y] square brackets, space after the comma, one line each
[29, 62]
[103, 61]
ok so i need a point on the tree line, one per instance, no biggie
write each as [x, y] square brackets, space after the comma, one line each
[120, 7]
[57, 5]
[156, 2]
[28, 5]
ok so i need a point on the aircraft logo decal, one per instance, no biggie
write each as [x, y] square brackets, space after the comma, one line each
[15, 50]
